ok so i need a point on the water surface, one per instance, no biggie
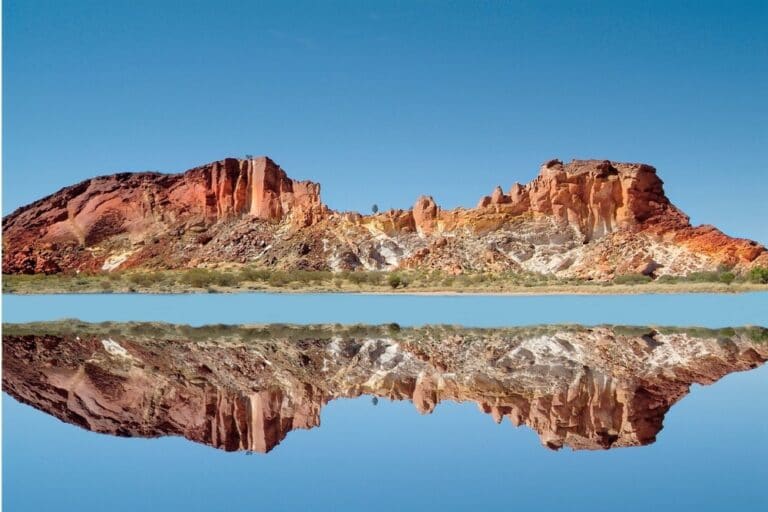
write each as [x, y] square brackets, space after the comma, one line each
[709, 455]
[706, 310]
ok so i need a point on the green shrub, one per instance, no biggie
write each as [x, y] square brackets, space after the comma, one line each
[278, 279]
[394, 280]
[758, 275]
[374, 278]
[255, 274]
[196, 278]
[631, 279]
[727, 277]
[224, 278]
[136, 278]
[143, 279]
[357, 278]
[703, 277]
[361, 277]
[309, 276]
[354, 277]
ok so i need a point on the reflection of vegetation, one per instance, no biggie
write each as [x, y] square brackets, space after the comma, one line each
[632, 330]
[754, 333]
[757, 334]
[296, 332]
[248, 278]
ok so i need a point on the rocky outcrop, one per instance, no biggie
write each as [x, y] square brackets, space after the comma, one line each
[597, 197]
[589, 219]
[585, 388]
[139, 207]
[425, 213]
[258, 188]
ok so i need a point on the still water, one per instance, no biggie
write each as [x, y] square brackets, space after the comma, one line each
[428, 441]
[710, 456]
[705, 310]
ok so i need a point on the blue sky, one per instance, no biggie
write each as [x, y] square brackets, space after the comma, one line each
[381, 102]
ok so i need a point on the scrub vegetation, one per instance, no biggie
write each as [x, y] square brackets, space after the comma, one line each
[246, 279]
[298, 332]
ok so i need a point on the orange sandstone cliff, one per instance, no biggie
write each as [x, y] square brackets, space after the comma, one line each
[590, 219]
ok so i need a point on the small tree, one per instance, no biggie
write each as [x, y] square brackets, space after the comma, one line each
[394, 280]
[375, 208]
[727, 277]
[759, 275]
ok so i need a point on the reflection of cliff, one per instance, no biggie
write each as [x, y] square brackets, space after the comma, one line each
[246, 388]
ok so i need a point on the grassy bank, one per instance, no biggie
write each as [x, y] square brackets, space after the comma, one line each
[414, 282]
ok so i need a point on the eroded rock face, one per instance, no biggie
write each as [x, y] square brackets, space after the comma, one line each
[425, 213]
[245, 389]
[51, 234]
[588, 218]
[259, 188]
[597, 197]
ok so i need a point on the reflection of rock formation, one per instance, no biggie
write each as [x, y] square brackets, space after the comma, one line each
[246, 388]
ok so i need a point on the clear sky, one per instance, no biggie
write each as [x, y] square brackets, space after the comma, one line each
[383, 101]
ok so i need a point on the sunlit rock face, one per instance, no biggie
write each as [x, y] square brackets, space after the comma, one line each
[246, 388]
[123, 215]
[590, 219]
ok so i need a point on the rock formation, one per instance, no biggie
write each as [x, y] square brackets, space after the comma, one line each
[590, 219]
[425, 213]
[246, 388]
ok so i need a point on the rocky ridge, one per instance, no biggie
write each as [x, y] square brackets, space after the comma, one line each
[244, 388]
[591, 219]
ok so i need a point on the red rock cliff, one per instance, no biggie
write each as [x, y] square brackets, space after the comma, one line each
[587, 218]
[597, 196]
[141, 205]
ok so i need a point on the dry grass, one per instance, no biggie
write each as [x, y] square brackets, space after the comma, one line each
[411, 282]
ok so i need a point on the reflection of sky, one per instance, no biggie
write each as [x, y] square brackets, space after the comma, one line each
[711, 452]
[685, 310]
[710, 455]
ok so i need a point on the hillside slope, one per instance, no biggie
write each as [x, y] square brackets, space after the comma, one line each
[590, 219]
